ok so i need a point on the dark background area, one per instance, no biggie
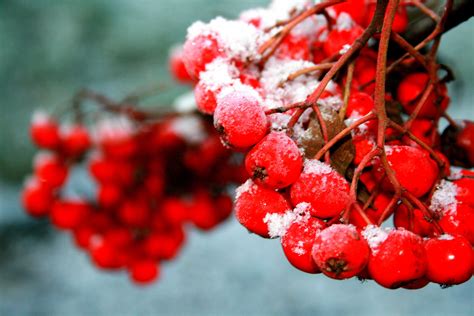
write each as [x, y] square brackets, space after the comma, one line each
[48, 50]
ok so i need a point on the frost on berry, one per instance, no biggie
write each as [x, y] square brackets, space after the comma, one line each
[298, 239]
[240, 119]
[375, 236]
[321, 186]
[238, 40]
[340, 252]
[254, 203]
[444, 198]
[276, 72]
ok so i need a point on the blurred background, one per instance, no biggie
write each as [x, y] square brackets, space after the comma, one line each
[48, 50]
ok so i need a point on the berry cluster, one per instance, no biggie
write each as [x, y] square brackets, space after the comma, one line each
[151, 179]
[339, 137]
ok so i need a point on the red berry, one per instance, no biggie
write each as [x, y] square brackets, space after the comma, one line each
[415, 222]
[144, 271]
[69, 214]
[298, 240]
[408, 163]
[134, 212]
[200, 51]
[254, 202]
[425, 130]
[465, 188]
[340, 252]
[337, 39]
[202, 212]
[411, 89]
[450, 260]
[458, 219]
[50, 170]
[294, 47]
[37, 198]
[465, 140]
[275, 161]
[44, 131]
[321, 186]
[177, 67]
[240, 119]
[106, 256]
[359, 102]
[397, 258]
[75, 140]
[205, 98]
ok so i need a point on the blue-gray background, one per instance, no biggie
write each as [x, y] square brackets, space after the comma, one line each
[49, 49]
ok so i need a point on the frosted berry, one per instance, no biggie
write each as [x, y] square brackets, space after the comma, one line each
[321, 186]
[340, 252]
[450, 260]
[199, 51]
[254, 202]
[240, 119]
[298, 242]
[275, 161]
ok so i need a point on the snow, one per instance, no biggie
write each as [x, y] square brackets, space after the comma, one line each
[279, 121]
[278, 90]
[456, 173]
[42, 157]
[344, 49]
[185, 103]
[218, 73]
[240, 87]
[113, 128]
[445, 237]
[444, 198]
[189, 128]
[375, 235]
[278, 224]
[315, 166]
[247, 187]
[239, 39]
[40, 117]
[344, 22]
